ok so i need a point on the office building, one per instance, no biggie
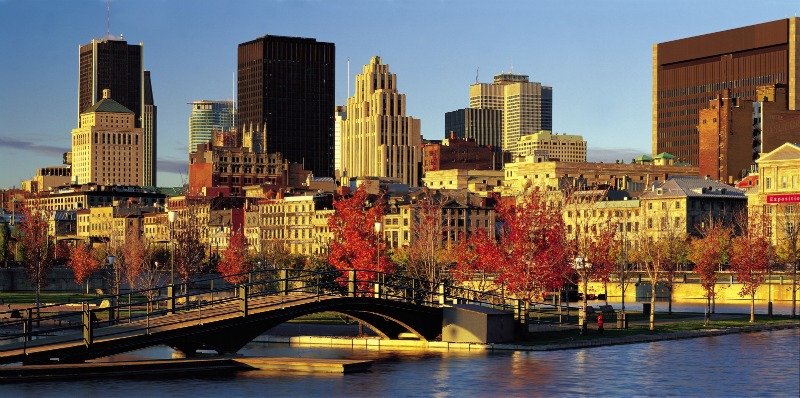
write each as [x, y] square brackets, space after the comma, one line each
[286, 86]
[558, 147]
[107, 147]
[483, 125]
[690, 72]
[207, 116]
[112, 63]
[378, 139]
[527, 106]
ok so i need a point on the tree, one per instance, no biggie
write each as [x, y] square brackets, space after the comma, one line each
[603, 252]
[37, 251]
[5, 237]
[234, 259]
[709, 253]
[83, 263]
[136, 255]
[659, 255]
[354, 245]
[478, 260]
[428, 258]
[189, 251]
[535, 252]
[750, 258]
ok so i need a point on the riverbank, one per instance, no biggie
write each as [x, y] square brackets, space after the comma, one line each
[559, 338]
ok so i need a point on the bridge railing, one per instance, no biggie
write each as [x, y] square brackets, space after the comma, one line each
[235, 295]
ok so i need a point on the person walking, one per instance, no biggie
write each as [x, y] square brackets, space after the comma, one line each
[600, 323]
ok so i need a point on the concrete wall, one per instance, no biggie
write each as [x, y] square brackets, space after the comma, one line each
[59, 279]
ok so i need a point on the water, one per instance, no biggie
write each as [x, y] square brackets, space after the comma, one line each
[751, 364]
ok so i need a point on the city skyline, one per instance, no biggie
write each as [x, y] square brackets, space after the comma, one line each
[600, 71]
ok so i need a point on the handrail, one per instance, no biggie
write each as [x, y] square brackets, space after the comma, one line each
[141, 310]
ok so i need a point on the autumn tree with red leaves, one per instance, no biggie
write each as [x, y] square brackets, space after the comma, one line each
[83, 263]
[354, 245]
[709, 253]
[535, 252]
[234, 259]
[478, 260]
[751, 257]
[189, 251]
[37, 250]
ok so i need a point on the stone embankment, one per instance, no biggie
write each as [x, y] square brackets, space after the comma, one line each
[378, 343]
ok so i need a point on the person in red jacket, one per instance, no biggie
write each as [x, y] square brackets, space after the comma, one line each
[600, 323]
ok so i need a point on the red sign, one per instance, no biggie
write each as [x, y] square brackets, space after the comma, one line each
[787, 198]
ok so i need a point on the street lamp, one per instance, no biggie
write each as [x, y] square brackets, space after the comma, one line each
[582, 267]
[171, 219]
[378, 226]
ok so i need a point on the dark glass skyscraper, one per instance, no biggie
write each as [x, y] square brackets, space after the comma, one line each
[287, 85]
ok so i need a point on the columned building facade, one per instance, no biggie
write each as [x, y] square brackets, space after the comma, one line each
[378, 139]
[107, 147]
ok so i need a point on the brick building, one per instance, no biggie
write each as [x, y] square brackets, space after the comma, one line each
[734, 132]
[456, 153]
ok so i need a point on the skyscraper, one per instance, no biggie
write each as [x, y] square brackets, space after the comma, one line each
[287, 85]
[378, 139]
[690, 72]
[206, 117]
[527, 106]
[150, 137]
[107, 147]
[111, 63]
[485, 126]
[340, 114]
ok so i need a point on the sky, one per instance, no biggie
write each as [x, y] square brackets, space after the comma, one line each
[597, 56]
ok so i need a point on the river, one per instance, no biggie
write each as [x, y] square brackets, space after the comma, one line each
[750, 364]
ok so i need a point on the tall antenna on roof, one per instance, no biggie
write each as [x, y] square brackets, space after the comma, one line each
[477, 70]
[108, 18]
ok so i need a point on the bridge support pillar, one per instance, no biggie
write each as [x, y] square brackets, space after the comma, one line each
[171, 299]
[283, 275]
[244, 291]
[88, 327]
[377, 290]
[351, 283]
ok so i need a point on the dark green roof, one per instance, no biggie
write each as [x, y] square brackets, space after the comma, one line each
[108, 105]
[664, 155]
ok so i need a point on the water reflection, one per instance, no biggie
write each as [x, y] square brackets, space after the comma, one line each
[754, 364]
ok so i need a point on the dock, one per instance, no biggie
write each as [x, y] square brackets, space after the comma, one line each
[166, 368]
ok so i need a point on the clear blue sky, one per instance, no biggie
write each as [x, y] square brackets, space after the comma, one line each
[595, 54]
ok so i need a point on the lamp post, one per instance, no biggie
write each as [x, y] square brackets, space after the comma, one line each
[171, 219]
[378, 226]
[582, 267]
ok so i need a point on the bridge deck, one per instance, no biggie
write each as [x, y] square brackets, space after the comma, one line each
[158, 324]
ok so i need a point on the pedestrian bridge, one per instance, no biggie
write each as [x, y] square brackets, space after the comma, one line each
[212, 314]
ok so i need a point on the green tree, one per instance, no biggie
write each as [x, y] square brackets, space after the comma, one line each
[5, 236]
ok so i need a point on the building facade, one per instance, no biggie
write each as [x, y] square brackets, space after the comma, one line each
[527, 106]
[286, 85]
[112, 63]
[340, 114]
[75, 197]
[484, 125]
[378, 139]
[559, 147]
[207, 116]
[47, 178]
[229, 162]
[555, 176]
[733, 132]
[457, 153]
[690, 72]
[107, 147]
[777, 196]
[475, 181]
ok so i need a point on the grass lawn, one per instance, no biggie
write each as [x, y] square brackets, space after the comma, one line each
[325, 318]
[45, 297]
[675, 322]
